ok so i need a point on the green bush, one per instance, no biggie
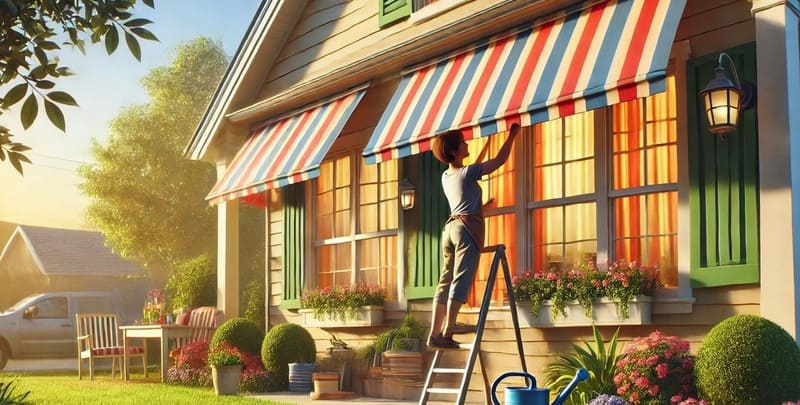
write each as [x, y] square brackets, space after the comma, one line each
[240, 333]
[286, 343]
[748, 359]
[597, 358]
[193, 283]
[255, 299]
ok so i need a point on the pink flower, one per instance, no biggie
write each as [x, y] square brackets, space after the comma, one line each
[661, 370]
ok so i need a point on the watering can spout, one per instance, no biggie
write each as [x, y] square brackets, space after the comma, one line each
[581, 375]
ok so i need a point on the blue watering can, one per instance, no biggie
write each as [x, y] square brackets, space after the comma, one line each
[531, 395]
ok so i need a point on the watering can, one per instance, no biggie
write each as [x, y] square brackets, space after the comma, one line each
[531, 395]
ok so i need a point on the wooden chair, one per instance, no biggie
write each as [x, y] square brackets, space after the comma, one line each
[203, 321]
[98, 337]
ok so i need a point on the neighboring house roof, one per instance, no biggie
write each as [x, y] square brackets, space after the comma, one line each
[71, 252]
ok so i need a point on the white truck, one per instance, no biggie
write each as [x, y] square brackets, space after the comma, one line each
[43, 325]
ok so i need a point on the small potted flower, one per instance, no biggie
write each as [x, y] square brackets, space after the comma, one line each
[226, 368]
[360, 305]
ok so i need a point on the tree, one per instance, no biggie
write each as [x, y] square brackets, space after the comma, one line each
[28, 34]
[148, 199]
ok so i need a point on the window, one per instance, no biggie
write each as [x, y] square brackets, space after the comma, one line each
[356, 223]
[598, 185]
[569, 195]
[51, 308]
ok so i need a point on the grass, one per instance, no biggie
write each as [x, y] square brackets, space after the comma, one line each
[64, 388]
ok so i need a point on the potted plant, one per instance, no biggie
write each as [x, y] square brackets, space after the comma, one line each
[226, 368]
[360, 305]
[587, 295]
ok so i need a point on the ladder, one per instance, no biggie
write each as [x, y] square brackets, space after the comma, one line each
[475, 347]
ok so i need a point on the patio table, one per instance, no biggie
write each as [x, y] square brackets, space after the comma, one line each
[164, 332]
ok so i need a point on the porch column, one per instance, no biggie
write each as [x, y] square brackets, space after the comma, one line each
[227, 255]
[778, 101]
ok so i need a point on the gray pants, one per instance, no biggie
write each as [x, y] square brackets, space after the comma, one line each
[461, 256]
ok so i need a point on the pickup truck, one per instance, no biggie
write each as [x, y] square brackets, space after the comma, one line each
[43, 325]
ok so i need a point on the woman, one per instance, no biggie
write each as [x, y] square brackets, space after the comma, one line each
[462, 237]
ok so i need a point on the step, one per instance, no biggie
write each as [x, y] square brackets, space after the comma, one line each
[449, 370]
[444, 390]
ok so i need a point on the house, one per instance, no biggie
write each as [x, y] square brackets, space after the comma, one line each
[38, 259]
[330, 105]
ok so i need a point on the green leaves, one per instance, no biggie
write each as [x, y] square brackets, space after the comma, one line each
[600, 360]
[29, 32]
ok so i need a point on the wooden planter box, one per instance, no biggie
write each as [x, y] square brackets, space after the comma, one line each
[365, 316]
[604, 312]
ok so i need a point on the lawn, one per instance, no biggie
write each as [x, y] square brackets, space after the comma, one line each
[64, 388]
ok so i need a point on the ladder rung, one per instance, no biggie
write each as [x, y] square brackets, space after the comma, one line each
[449, 370]
[444, 390]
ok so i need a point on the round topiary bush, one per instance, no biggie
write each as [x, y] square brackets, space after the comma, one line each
[240, 333]
[286, 343]
[747, 359]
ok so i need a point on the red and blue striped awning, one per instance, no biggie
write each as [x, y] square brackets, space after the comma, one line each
[589, 56]
[287, 150]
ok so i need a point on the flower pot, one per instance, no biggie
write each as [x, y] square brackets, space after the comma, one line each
[326, 382]
[226, 379]
[604, 312]
[300, 376]
[365, 316]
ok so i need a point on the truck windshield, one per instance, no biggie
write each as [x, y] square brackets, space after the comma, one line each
[23, 303]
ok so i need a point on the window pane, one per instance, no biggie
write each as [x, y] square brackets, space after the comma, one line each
[500, 229]
[580, 222]
[378, 264]
[645, 140]
[368, 218]
[547, 183]
[645, 229]
[580, 177]
[334, 264]
[579, 136]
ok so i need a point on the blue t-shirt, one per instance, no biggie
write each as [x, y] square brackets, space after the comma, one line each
[462, 190]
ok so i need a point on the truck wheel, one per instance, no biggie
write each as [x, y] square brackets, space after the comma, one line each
[5, 354]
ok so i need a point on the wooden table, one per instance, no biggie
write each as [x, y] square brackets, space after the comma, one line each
[163, 332]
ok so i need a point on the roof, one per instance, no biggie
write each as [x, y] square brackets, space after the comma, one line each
[72, 252]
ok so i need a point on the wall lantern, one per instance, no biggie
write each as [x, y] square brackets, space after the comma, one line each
[407, 194]
[724, 100]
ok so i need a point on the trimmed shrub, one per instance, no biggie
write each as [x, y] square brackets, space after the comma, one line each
[240, 333]
[286, 343]
[748, 359]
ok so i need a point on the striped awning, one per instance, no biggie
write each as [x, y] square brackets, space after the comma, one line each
[588, 56]
[287, 150]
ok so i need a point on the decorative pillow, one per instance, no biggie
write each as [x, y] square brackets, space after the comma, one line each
[182, 317]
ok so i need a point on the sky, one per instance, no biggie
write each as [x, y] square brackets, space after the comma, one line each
[47, 194]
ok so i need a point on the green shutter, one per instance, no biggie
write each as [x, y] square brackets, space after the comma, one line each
[425, 227]
[723, 178]
[392, 11]
[293, 249]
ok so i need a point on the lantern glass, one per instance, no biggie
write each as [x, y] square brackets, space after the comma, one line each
[407, 194]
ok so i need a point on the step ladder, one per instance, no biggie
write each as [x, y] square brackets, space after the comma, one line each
[475, 347]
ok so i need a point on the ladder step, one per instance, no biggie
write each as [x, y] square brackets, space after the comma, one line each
[449, 370]
[444, 390]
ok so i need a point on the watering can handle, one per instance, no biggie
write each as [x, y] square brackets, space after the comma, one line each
[581, 375]
[496, 382]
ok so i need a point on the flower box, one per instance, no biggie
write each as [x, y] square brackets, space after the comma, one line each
[364, 316]
[604, 312]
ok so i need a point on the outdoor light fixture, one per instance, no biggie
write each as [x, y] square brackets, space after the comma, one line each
[724, 100]
[407, 194]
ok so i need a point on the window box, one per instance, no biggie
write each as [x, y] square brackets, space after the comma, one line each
[369, 315]
[604, 312]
